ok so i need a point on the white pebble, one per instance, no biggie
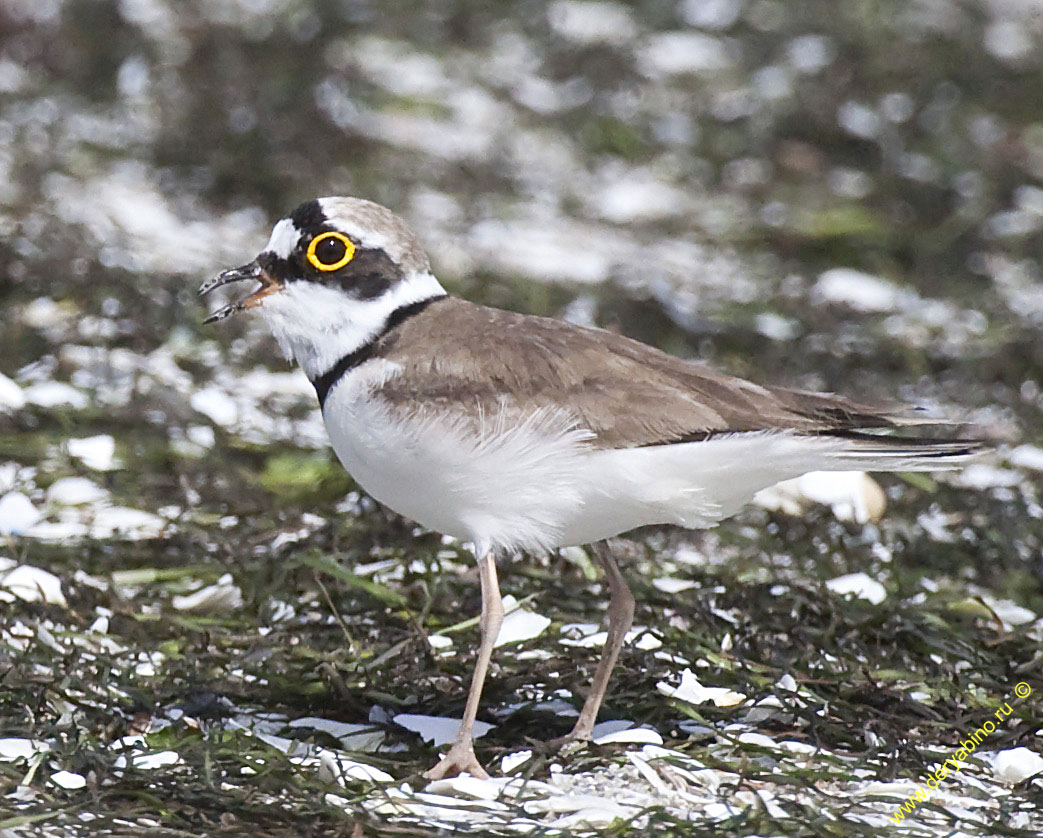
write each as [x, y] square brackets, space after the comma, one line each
[149, 762]
[1009, 40]
[711, 14]
[131, 524]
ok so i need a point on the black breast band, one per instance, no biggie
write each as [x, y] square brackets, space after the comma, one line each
[324, 383]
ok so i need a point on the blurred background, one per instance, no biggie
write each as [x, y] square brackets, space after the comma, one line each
[686, 172]
[842, 196]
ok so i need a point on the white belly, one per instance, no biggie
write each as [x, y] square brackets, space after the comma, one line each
[534, 482]
[512, 486]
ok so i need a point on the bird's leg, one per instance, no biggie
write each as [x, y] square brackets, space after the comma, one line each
[620, 618]
[461, 756]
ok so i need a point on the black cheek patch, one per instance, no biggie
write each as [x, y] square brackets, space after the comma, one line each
[369, 275]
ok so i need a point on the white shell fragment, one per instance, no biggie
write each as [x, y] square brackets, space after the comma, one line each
[29, 583]
[985, 476]
[438, 730]
[1027, 456]
[224, 595]
[520, 624]
[693, 692]
[334, 767]
[11, 395]
[859, 585]
[216, 405]
[856, 290]
[333, 728]
[511, 761]
[1016, 764]
[96, 452]
[75, 491]
[1010, 612]
[352, 736]
[588, 22]
[148, 762]
[17, 514]
[669, 585]
[15, 748]
[468, 786]
[55, 394]
[683, 53]
[586, 636]
[619, 732]
[68, 780]
[123, 522]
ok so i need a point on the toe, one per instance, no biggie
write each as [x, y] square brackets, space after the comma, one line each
[462, 761]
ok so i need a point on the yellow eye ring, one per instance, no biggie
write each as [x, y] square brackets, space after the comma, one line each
[313, 258]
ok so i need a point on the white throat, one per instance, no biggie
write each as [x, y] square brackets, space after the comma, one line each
[317, 325]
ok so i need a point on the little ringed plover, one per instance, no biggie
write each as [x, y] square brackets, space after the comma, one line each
[516, 432]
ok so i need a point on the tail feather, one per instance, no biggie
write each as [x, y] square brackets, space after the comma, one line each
[873, 452]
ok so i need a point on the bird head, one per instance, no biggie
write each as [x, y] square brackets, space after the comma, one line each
[331, 274]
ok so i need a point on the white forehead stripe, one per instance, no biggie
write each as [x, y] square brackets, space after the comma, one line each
[285, 236]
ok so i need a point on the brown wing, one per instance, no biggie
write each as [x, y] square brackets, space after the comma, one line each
[628, 393]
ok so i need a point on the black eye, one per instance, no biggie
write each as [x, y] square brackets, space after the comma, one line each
[330, 251]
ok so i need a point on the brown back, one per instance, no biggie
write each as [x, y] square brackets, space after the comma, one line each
[628, 393]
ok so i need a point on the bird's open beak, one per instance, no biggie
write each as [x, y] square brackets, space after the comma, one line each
[250, 271]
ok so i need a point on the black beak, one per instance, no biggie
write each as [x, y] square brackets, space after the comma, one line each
[250, 271]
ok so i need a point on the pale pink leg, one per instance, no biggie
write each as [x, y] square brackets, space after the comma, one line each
[461, 756]
[620, 618]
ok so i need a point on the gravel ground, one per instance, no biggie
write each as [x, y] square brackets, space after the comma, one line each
[206, 629]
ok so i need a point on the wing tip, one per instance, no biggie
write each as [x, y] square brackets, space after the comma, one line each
[915, 452]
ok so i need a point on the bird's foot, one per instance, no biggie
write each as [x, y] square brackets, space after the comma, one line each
[459, 760]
